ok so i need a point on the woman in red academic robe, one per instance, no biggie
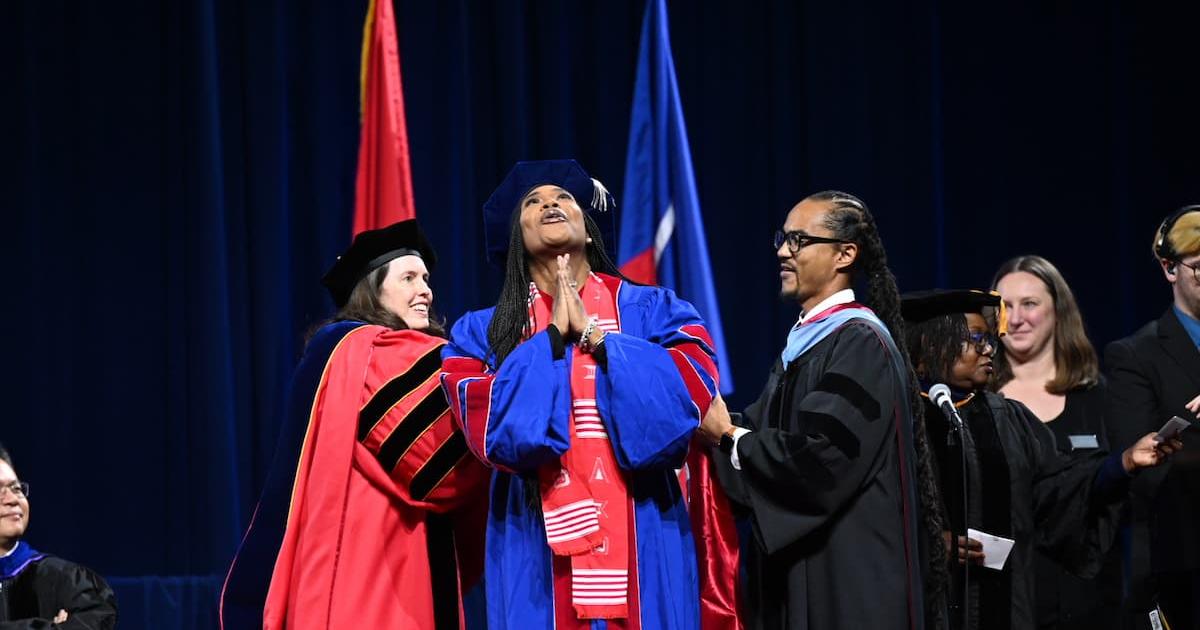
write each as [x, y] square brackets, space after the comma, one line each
[365, 521]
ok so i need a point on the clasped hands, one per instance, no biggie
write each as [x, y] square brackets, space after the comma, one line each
[568, 314]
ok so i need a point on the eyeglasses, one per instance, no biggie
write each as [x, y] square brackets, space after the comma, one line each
[982, 340]
[797, 240]
[1195, 267]
[18, 488]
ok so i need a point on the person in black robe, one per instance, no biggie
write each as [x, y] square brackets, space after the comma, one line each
[1017, 485]
[827, 462]
[1047, 362]
[1066, 601]
[39, 590]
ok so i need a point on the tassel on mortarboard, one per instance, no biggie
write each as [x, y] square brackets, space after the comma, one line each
[1001, 317]
[600, 196]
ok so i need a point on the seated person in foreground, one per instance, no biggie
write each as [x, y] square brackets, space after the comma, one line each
[38, 590]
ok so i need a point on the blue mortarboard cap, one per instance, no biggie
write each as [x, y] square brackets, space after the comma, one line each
[590, 194]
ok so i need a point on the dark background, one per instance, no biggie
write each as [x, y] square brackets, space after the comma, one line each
[180, 174]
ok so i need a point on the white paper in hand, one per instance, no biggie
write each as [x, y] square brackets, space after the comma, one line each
[995, 548]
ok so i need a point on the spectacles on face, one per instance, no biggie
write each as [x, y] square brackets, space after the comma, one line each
[982, 341]
[798, 240]
[1195, 267]
[19, 489]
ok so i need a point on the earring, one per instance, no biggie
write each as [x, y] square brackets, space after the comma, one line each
[589, 239]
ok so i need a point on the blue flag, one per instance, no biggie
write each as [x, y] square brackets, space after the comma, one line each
[662, 235]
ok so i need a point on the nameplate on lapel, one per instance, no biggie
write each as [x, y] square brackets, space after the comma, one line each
[1083, 441]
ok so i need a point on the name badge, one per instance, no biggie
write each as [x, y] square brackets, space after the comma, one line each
[1083, 441]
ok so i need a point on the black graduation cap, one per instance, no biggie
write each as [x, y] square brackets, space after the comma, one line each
[373, 249]
[919, 306]
[590, 194]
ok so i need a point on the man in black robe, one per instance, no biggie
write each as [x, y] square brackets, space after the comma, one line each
[824, 461]
[39, 590]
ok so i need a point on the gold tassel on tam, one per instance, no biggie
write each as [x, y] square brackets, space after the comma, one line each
[1001, 318]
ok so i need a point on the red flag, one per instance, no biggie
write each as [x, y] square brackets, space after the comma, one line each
[383, 191]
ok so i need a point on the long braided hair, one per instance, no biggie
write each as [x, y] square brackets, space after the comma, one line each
[936, 345]
[848, 218]
[512, 309]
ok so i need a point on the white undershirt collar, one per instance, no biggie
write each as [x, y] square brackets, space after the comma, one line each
[841, 297]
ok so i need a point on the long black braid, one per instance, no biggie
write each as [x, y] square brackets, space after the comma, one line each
[848, 218]
[512, 309]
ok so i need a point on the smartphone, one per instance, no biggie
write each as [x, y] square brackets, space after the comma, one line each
[1172, 429]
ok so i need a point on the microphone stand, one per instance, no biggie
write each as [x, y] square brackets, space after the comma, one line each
[955, 434]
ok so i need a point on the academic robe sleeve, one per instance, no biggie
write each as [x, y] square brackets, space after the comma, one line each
[1075, 516]
[55, 584]
[414, 436]
[406, 426]
[411, 446]
[794, 478]
[515, 418]
[656, 385]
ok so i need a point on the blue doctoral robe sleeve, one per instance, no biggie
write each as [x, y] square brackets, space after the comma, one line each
[514, 417]
[658, 379]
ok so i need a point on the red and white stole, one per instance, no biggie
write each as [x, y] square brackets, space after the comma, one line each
[585, 500]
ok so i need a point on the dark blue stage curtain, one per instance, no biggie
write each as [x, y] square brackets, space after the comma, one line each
[180, 173]
[184, 173]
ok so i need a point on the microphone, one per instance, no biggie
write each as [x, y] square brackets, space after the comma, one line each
[940, 395]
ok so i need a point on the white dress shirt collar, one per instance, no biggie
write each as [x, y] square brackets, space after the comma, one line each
[841, 297]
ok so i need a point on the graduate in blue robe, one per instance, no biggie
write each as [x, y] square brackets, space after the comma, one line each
[511, 375]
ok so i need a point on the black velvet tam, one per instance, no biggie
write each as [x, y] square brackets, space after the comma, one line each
[373, 249]
[920, 306]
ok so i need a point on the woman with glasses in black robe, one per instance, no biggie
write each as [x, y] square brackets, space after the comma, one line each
[1017, 486]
